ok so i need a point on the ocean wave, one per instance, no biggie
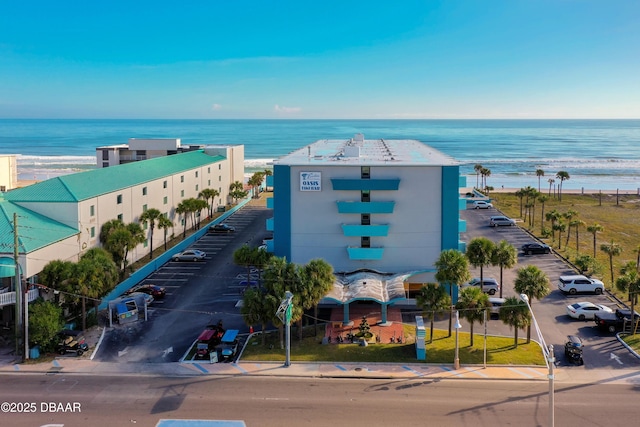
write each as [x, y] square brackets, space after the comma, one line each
[26, 160]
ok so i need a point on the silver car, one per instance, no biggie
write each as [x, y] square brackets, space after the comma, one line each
[189, 255]
[497, 221]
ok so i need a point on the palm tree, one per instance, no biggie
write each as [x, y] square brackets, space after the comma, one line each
[164, 224]
[630, 282]
[562, 176]
[209, 194]
[472, 305]
[318, 277]
[611, 249]
[432, 299]
[182, 209]
[551, 181]
[539, 174]
[515, 313]
[534, 283]
[504, 255]
[236, 191]
[595, 229]
[485, 172]
[136, 237]
[477, 168]
[151, 216]
[452, 269]
[553, 216]
[577, 223]
[243, 256]
[479, 253]
[560, 227]
[569, 215]
[256, 309]
[542, 199]
[520, 195]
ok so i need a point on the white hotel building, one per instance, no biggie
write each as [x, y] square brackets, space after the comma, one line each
[387, 206]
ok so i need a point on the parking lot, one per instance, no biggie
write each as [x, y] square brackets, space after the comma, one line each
[198, 293]
[601, 349]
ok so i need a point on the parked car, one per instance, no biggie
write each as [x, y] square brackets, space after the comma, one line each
[147, 297]
[481, 204]
[489, 285]
[586, 310]
[578, 283]
[71, 342]
[189, 255]
[497, 221]
[536, 248]
[157, 292]
[496, 304]
[615, 321]
[222, 228]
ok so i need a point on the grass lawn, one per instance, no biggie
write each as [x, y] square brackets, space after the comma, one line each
[500, 350]
[632, 341]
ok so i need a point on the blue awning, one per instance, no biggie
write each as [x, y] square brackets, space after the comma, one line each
[8, 267]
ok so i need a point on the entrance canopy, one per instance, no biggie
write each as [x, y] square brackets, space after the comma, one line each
[8, 267]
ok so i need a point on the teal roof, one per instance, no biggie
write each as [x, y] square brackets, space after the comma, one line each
[35, 231]
[96, 182]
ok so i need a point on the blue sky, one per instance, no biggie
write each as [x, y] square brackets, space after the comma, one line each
[330, 59]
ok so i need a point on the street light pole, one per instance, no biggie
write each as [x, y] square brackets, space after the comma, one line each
[284, 314]
[550, 359]
[456, 360]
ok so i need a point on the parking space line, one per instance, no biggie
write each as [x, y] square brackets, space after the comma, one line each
[517, 371]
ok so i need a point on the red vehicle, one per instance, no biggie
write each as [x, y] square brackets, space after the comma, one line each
[208, 340]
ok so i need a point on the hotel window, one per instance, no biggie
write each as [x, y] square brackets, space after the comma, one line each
[365, 196]
[164, 184]
[209, 169]
[365, 219]
[105, 155]
[145, 225]
[197, 187]
[181, 178]
[181, 193]
[119, 199]
[196, 174]
[92, 210]
[365, 172]
[365, 242]
[144, 191]
[219, 178]
[93, 232]
[144, 208]
[120, 217]
[105, 164]
[209, 182]
[219, 167]
[145, 244]
[165, 200]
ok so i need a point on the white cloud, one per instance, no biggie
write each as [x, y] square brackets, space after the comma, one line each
[216, 107]
[287, 110]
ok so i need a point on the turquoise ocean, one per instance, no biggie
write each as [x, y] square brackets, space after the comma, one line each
[597, 154]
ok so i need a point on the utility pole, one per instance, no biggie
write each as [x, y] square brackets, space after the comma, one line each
[18, 290]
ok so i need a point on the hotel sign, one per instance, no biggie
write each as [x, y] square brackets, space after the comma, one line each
[310, 181]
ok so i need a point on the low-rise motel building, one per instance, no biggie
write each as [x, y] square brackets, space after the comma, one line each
[384, 207]
[61, 218]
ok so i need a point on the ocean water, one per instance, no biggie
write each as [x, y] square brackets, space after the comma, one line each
[597, 154]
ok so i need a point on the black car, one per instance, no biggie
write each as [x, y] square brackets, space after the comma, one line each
[536, 248]
[157, 292]
[222, 228]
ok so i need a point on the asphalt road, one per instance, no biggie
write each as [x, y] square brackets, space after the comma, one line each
[142, 401]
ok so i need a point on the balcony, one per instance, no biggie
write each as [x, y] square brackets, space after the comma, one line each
[365, 184]
[365, 253]
[269, 224]
[366, 207]
[357, 230]
[9, 298]
[269, 202]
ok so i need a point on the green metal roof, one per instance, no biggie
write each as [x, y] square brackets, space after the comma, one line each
[85, 185]
[35, 231]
